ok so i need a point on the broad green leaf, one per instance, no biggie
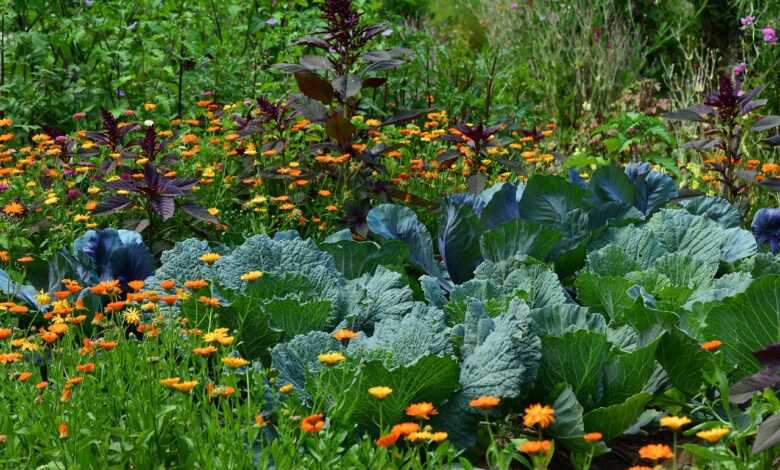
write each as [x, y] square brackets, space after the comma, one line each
[613, 420]
[577, 359]
[747, 322]
[353, 258]
[517, 238]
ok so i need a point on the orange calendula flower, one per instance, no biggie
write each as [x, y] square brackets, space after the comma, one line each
[234, 362]
[542, 415]
[41, 385]
[485, 402]
[196, 284]
[203, 352]
[535, 447]
[593, 436]
[711, 346]
[87, 368]
[185, 387]
[713, 435]
[259, 421]
[313, 423]
[24, 376]
[675, 422]
[108, 345]
[62, 429]
[344, 334]
[5, 333]
[170, 381]
[18, 309]
[656, 452]
[423, 410]
[380, 393]
[168, 284]
[48, 336]
[209, 301]
[405, 429]
[13, 209]
[387, 440]
[136, 285]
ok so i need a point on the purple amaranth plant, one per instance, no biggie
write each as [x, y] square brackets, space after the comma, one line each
[723, 130]
[157, 193]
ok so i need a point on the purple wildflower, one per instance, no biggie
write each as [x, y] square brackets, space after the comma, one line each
[770, 35]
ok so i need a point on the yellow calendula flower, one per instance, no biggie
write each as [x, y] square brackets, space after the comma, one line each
[380, 393]
[251, 276]
[713, 435]
[43, 298]
[331, 358]
[210, 258]
[234, 362]
[675, 422]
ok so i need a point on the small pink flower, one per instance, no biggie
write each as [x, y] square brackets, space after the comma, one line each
[746, 21]
[739, 69]
[770, 35]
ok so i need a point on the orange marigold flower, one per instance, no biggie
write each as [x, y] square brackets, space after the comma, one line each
[313, 423]
[711, 346]
[542, 415]
[5, 333]
[136, 285]
[168, 284]
[423, 410]
[405, 429]
[5, 256]
[24, 376]
[259, 421]
[42, 385]
[62, 429]
[387, 440]
[656, 452]
[535, 447]
[485, 402]
[593, 436]
[344, 334]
